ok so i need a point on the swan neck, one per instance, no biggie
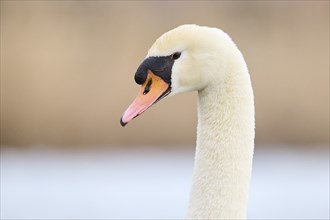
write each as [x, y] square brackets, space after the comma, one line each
[224, 151]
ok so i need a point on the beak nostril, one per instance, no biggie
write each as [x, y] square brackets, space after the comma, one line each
[147, 88]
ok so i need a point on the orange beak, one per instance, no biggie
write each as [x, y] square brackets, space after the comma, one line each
[152, 90]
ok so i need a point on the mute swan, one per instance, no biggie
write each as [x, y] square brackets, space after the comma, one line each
[192, 57]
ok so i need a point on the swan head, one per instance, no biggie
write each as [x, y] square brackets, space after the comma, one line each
[182, 60]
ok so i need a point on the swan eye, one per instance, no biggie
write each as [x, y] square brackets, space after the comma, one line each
[176, 56]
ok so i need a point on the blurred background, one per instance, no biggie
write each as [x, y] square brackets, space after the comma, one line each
[67, 72]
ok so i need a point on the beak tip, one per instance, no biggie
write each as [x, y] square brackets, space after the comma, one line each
[122, 122]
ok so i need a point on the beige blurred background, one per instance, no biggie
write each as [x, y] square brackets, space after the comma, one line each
[67, 70]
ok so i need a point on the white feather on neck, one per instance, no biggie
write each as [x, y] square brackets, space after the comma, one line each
[225, 142]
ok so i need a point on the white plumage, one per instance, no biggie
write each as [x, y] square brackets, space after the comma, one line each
[211, 64]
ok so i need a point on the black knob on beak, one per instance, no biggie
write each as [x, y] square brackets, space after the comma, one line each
[140, 77]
